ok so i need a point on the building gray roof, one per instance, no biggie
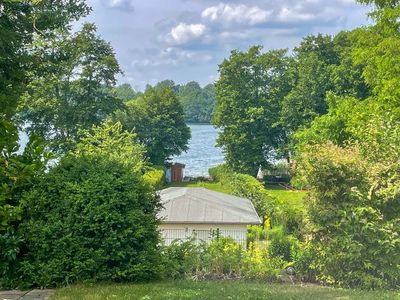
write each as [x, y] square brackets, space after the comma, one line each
[200, 205]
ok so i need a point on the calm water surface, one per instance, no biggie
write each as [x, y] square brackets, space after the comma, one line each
[202, 153]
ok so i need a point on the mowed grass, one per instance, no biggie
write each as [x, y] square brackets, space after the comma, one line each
[213, 290]
[294, 199]
[211, 185]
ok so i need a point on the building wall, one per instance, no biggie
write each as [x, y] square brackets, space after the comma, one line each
[202, 232]
[177, 173]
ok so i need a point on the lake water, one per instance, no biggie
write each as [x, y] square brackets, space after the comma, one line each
[202, 153]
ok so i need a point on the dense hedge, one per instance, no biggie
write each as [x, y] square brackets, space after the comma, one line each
[246, 186]
[90, 219]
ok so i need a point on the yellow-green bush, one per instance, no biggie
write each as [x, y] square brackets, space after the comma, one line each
[155, 176]
[222, 258]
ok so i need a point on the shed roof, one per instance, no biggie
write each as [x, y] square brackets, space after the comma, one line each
[177, 164]
[200, 205]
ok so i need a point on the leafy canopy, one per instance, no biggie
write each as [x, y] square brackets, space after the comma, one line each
[111, 141]
[20, 21]
[250, 91]
[158, 120]
[71, 88]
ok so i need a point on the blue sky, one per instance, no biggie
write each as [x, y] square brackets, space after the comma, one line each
[185, 40]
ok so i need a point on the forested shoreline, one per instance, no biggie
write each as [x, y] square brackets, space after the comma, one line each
[198, 103]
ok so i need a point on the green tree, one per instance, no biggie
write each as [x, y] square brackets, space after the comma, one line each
[198, 103]
[125, 92]
[369, 85]
[249, 93]
[93, 216]
[377, 50]
[347, 76]
[71, 89]
[19, 22]
[111, 141]
[354, 200]
[165, 84]
[311, 74]
[157, 118]
[341, 125]
[18, 171]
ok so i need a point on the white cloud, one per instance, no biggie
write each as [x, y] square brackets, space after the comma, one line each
[293, 15]
[241, 14]
[173, 56]
[311, 11]
[120, 4]
[183, 33]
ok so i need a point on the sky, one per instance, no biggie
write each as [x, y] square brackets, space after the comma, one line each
[185, 40]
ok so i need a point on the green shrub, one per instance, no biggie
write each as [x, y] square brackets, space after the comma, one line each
[246, 186]
[93, 216]
[256, 232]
[291, 218]
[354, 217]
[259, 265]
[304, 262]
[155, 177]
[222, 258]
[10, 243]
[181, 259]
[90, 219]
[282, 245]
[18, 172]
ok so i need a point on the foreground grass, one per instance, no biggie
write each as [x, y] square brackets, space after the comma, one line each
[213, 290]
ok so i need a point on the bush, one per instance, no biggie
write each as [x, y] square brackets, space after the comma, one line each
[282, 245]
[90, 220]
[155, 177]
[222, 258]
[18, 171]
[291, 218]
[256, 232]
[354, 217]
[93, 216]
[10, 244]
[246, 186]
[304, 262]
[181, 259]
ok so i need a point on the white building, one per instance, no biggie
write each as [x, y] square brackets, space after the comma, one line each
[203, 214]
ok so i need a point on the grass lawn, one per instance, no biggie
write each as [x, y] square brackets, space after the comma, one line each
[213, 290]
[214, 186]
[294, 199]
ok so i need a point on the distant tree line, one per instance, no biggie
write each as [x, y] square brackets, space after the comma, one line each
[198, 103]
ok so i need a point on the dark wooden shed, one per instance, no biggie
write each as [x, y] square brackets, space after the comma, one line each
[176, 172]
